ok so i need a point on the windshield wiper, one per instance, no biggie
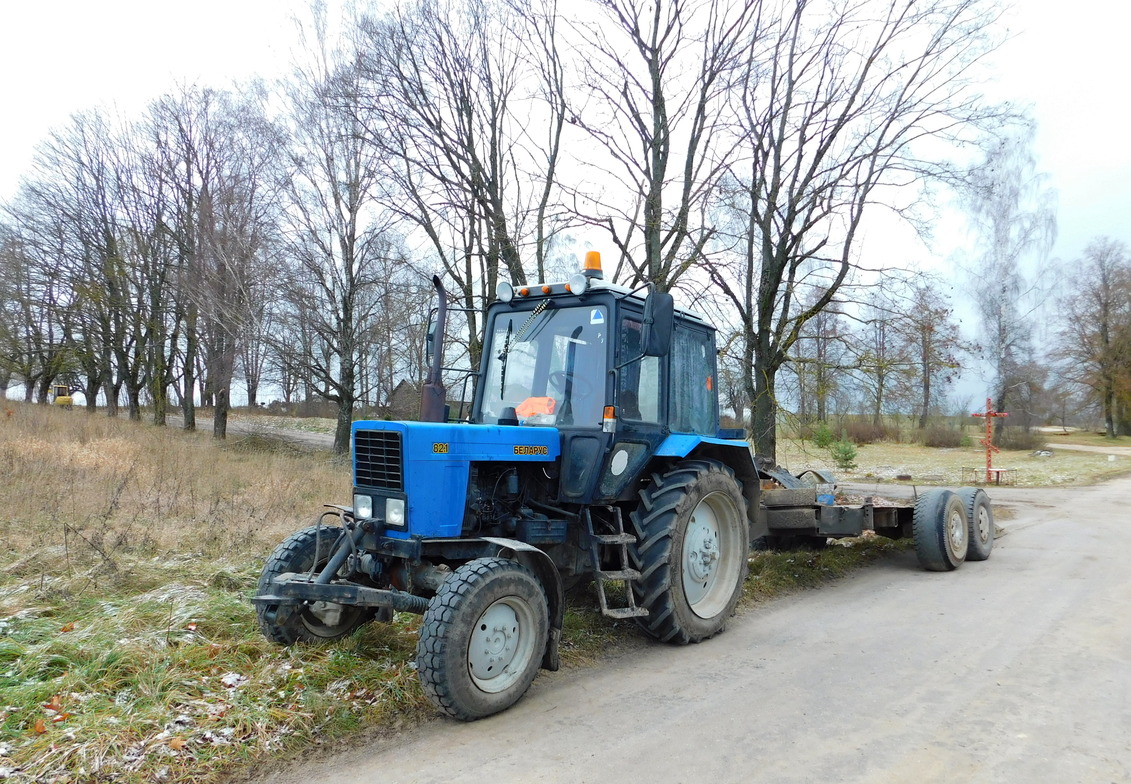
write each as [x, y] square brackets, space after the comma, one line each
[542, 306]
[503, 359]
[508, 342]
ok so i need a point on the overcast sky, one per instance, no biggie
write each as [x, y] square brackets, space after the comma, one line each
[56, 58]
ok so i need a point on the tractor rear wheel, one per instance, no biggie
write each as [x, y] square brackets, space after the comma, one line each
[482, 638]
[691, 550]
[305, 551]
[941, 530]
[980, 516]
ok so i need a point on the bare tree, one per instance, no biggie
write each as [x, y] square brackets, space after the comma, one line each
[457, 92]
[336, 237]
[836, 106]
[934, 343]
[1096, 326]
[819, 360]
[73, 187]
[34, 330]
[654, 81]
[882, 356]
[1014, 214]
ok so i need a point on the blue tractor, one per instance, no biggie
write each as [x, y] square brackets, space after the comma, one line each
[592, 450]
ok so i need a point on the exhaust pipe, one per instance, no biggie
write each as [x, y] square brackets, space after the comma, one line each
[434, 398]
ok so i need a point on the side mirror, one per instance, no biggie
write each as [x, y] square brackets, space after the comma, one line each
[659, 321]
[430, 340]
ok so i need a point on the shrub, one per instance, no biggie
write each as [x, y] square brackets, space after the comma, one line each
[943, 437]
[868, 433]
[843, 453]
[1021, 439]
[822, 435]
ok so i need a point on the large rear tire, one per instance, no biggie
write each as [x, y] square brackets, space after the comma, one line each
[287, 624]
[980, 516]
[482, 638]
[692, 544]
[942, 533]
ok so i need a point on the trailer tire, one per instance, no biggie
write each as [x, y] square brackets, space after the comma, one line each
[691, 550]
[492, 605]
[287, 624]
[980, 516]
[941, 531]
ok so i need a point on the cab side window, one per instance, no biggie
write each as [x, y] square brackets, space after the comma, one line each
[694, 404]
[638, 389]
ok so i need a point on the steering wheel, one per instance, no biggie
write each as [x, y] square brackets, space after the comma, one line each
[581, 387]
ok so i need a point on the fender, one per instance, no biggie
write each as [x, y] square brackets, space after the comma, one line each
[734, 453]
[538, 562]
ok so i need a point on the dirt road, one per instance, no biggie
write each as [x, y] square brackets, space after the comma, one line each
[1016, 669]
[1102, 449]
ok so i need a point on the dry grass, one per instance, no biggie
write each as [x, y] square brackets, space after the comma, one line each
[886, 461]
[126, 556]
[1054, 436]
[118, 487]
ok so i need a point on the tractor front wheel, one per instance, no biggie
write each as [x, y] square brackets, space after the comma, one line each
[307, 550]
[482, 638]
[691, 550]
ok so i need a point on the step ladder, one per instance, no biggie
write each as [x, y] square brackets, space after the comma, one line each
[621, 541]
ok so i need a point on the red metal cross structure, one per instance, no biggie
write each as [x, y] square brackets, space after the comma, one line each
[988, 441]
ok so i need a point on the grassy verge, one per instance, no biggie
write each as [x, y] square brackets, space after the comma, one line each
[885, 462]
[128, 649]
[1084, 437]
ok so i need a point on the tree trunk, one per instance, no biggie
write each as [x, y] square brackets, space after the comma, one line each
[1123, 418]
[220, 416]
[90, 391]
[764, 410]
[222, 371]
[877, 410]
[110, 392]
[1109, 406]
[345, 410]
[925, 369]
[188, 402]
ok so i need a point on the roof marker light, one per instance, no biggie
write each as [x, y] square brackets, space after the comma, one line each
[578, 283]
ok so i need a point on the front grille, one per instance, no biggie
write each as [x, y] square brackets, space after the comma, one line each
[378, 459]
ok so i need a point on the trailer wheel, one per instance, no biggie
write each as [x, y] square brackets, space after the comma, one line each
[482, 638]
[318, 621]
[942, 533]
[692, 542]
[980, 516]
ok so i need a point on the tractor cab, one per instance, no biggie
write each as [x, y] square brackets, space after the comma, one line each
[61, 395]
[615, 371]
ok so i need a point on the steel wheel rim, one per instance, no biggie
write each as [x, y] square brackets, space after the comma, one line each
[983, 524]
[501, 644]
[710, 550]
[956, 531]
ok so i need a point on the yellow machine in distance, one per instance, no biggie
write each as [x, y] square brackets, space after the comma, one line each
[62, 395]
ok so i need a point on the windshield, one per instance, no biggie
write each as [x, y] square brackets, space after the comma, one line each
[549, 365]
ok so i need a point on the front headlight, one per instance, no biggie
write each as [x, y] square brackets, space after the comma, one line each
[394, 511]
[363, 507]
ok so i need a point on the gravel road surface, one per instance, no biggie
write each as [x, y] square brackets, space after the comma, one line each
[1017, 669]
